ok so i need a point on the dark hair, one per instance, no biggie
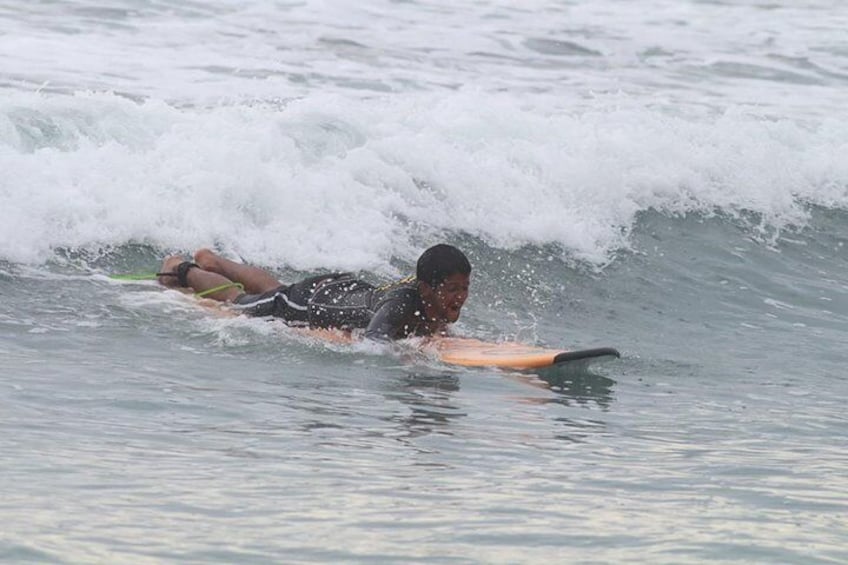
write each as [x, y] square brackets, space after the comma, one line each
[439, 262]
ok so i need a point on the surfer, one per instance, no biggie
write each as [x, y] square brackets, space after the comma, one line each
[422, 305]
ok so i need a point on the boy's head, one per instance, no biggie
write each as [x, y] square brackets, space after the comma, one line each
[439, 262]
[443, 274]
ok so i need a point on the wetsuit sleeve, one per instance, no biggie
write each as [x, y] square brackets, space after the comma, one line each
[390, 321]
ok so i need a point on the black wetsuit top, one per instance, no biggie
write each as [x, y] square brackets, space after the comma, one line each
[390, 312]
[341, 301]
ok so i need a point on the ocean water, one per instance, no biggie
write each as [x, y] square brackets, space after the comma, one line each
[665, 177]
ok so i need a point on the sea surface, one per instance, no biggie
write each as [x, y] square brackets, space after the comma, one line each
[667, 177]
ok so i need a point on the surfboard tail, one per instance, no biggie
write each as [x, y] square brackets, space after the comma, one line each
[585, 354]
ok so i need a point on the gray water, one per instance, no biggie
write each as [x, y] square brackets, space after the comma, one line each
[667, 178]
[137, 428]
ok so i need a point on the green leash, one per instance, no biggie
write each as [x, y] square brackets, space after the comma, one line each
[217, 288]
[136, 277]
[152, 276]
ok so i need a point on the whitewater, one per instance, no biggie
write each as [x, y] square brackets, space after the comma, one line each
[664, 177]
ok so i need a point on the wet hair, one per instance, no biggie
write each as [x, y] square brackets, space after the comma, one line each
[439, 262]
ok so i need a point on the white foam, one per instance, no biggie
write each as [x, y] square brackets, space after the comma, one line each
[329, 181]
[327, 134]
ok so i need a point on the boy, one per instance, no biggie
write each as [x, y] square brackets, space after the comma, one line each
[418, 306]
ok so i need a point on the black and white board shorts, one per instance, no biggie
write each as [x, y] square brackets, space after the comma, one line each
[289, 302]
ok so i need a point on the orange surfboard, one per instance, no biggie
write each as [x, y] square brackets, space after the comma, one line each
[470, 352]
[476, 353]
[510, 355]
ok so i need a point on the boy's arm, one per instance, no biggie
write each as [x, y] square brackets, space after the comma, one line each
[389, 322]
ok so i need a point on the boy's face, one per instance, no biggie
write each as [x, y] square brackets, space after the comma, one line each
[444, 301]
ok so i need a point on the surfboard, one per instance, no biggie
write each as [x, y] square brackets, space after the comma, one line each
[511, 355]
[468, 352]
